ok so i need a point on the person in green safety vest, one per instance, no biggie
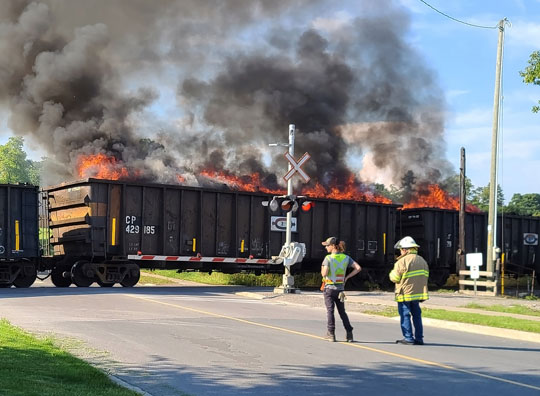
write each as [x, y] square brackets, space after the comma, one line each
[334, 275]
[410, 274]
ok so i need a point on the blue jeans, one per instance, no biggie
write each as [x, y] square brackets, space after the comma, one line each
[406, 309]
[331, 298]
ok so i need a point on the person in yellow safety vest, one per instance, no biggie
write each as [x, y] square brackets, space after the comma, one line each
[410, 274]
[334, 274]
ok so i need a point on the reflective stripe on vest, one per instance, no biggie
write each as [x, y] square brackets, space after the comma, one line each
[394, 277]
[337, 268]
[412, 274]
[411, 297]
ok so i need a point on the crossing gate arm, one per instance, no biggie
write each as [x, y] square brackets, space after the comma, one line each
[200, 259]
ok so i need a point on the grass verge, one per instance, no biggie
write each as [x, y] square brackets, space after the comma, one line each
[218, 278]
[502, 322]
[153, 280]
[30, 366]
[517, 309]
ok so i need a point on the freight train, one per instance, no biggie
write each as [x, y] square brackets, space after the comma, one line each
[105, 231]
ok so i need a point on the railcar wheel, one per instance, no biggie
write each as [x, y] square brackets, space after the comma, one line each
[131, 278]
[58, 279]
[78, 276]
[104, 284]
[27, 276]
[5, 285]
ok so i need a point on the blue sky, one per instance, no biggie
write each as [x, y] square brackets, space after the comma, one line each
[465, 60]
[461, 57]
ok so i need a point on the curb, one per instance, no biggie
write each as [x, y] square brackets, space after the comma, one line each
[127, 385]
[484, 330]
[251, 295]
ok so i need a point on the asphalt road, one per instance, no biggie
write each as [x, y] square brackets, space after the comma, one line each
[207, 340]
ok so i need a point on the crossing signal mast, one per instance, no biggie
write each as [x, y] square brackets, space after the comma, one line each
[291, 252]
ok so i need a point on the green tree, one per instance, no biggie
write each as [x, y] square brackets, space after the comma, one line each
[451, 186]
[14, 167]
[479, 197]
[524, 205]
[393, 193]
[531, 74]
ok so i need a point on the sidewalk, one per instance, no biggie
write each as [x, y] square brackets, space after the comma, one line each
[361, 302]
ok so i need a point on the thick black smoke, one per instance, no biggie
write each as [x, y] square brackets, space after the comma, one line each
[360, 90]
[355, 90]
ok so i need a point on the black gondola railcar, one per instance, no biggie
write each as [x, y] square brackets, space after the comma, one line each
[106, 230]
[437, 233]
[19, 246]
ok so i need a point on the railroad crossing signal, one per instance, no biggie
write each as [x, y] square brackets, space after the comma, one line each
[289, 203]
[296, 167]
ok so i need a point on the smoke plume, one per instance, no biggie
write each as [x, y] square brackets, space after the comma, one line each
[360, 96]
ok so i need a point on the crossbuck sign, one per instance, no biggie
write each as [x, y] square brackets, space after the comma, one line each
[296, 167]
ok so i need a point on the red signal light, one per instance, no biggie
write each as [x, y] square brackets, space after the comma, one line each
[306, 206]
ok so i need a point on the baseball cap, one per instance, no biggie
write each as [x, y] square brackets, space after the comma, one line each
[331, 241]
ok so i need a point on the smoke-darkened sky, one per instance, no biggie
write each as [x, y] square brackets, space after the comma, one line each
[212, 83]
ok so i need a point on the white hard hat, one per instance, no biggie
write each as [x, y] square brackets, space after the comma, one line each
[406, 243]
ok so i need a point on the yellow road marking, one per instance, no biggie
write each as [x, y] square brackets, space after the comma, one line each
[353, 345]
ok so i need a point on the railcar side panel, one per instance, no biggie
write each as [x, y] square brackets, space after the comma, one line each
[19, 234]
[104, 221]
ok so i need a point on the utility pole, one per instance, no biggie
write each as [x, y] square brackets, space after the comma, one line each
[462, 199]
[492, 214]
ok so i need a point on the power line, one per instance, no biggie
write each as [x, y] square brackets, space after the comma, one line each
[457, 20]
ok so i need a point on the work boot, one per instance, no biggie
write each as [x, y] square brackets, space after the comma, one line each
[350, 336]
[405, 341]
[330, 336]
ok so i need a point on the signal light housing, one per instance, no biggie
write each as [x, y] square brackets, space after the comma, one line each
[307, 206]
[289, 205]
[274, 204]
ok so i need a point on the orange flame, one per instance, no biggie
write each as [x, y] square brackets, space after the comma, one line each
[250, 183]
[434, 196]
[102, 166]
[349, 191]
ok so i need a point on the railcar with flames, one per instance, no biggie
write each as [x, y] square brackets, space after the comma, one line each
[104, 231]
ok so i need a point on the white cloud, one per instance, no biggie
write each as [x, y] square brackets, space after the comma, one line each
[521, 150]
[454, 93]
[415, 6]
[478, 116]
[524, 34]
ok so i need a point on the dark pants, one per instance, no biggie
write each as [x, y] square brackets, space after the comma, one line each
[330, 299]
[406, 310]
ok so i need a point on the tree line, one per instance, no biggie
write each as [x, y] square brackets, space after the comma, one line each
[519, 204]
